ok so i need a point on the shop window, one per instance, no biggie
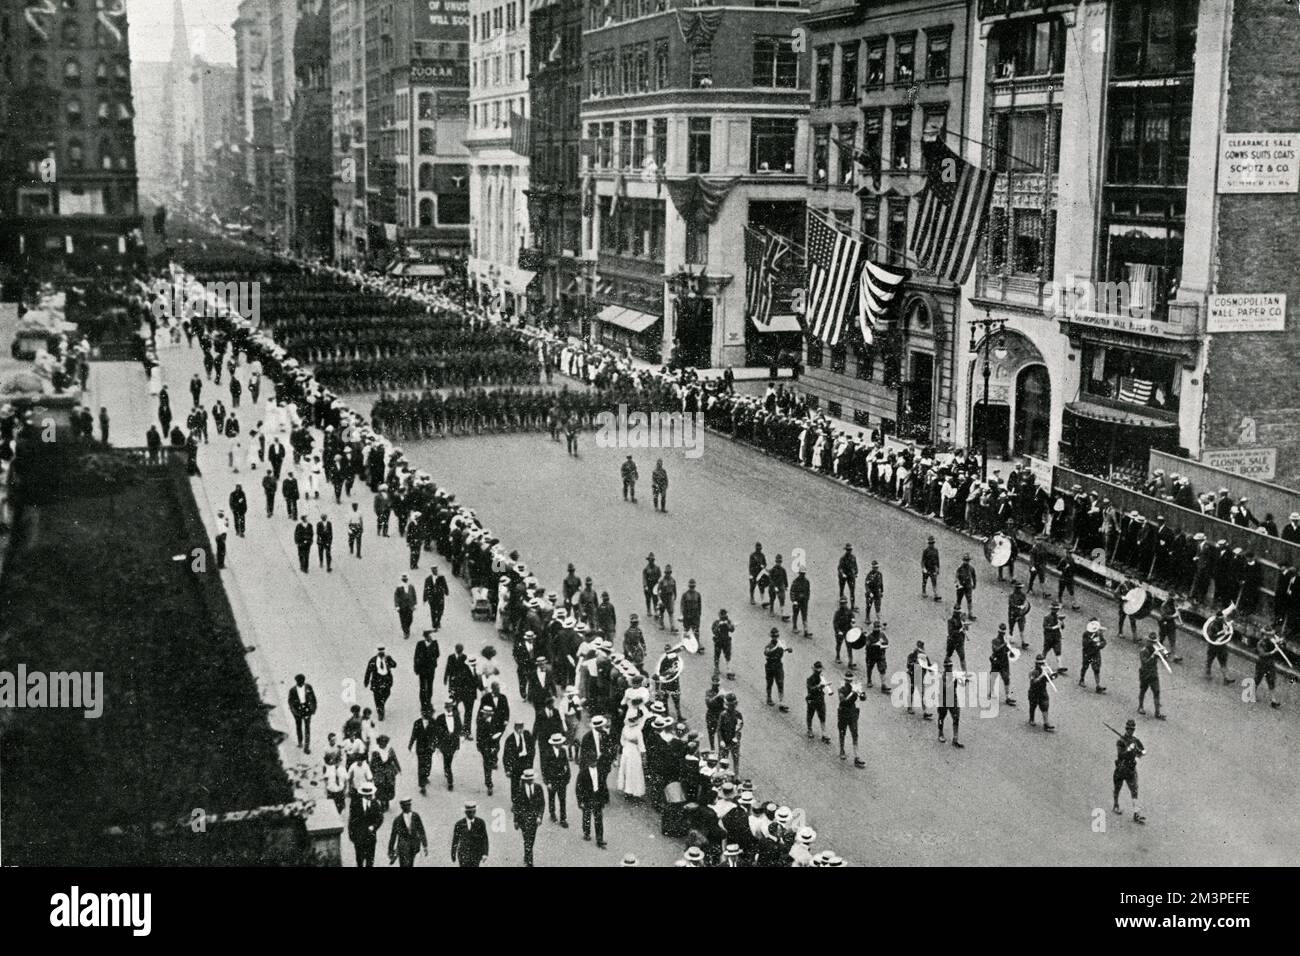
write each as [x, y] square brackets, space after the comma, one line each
[661, 142]
[1132, 377]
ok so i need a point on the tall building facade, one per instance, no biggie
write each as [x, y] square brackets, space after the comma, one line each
[698, 122]
[347, 127]
[312, 139]
[68, 190]
[433, 175]
[499, 163]
[251, 67]
[554, 195]
[283, 19]
[880, 75]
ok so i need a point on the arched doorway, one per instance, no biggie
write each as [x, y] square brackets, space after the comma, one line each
[1033, 411]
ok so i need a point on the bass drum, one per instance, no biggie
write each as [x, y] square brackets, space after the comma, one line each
[997, 550]
[856, 638]
[1137, 603]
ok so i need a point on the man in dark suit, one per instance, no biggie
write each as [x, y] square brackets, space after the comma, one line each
[435, 595]
[518, 752]
[407, 837]
[325, 543]
[469, 838]
[423, 741]
[364, 822]
[446, 738]
[404, 600]
[302, 704]
[462, 685]
[427, 653]
[302, 538]
[493, 698]
[529, 806]
[595, 756]
[379, 678]
[555, 774]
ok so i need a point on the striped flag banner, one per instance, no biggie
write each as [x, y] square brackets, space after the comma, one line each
[832, 266]
[1136, 390]
[877, 286]
[755, 247]
[953, 213]
[521, 134]
[775, 253]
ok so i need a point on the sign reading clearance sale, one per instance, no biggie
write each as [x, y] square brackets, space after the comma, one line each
[1259, 163]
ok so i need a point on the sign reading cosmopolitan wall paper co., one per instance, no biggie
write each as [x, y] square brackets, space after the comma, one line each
[1259, 163]
[1260, 463]
[1250, 312]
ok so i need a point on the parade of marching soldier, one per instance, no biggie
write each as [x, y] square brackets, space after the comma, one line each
[649, 433]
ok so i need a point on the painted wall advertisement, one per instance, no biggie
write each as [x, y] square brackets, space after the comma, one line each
[1260, 463]
[1252, 312]
[1259, 163]
[442, 20]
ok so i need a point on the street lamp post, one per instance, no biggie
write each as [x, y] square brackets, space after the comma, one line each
[987, 326]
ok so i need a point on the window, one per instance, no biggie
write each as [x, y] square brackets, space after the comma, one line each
[76, 155]
[426, 141]
[496, 19]
[875, 63]
[1153, 38]
[510, 17]
[771, 144]
[426, 212]
[775, 63]
[697, 243]
[871, 222]
[849, 72]
[71, 72]
[1132, 377]
[822, 87]
[426, 106]
[865, 366]
[897, 237]
[638, 144]
[846, 134]
[1021, 138]
[71, 33]
[1026, 241]
[607, 145]
[900, 150]
[625, 144]
[1150, 137]
[996, 251]
[904, 58]
[74, 112]
[873, 124]
[661, 142]
[700, 144]
[426, 176]
[701, 66]
[1029, 48]
[839, 362]
[936, 55]
[815, 351]
[661, 64]
[641, 67]
[821, 155]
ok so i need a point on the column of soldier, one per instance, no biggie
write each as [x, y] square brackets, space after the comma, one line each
[698, 793]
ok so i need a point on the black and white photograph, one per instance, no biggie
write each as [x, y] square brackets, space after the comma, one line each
[657, 434]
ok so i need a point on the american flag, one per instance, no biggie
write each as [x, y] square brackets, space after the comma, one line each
[877, 286]
[832, 264]
[521, 134]
[1135, 390]
[953, 213]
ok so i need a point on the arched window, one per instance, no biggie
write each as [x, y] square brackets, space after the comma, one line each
[105, 110]
[71, 33]
[74, 112]
[71, 72]
[105, 153]
[426, 212]
[426, 176]
[76, 156]
[426, 141]
[101, 71]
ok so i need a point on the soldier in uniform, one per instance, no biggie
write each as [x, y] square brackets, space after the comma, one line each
[956, 637]
[1017, 609]
[1038, 691]
[816, 699]
[669, 671]
[966, 584]
[1067, 568]
[1000, 662]
[875, 653]
[1127, 751]
[1149, 674]
[1217, 652]
[659, 486]
[1168, 626]
[714, 701]
[917, 668]
[874, 585]
[692, 609]
[847, 716]
[1270, 649]
[730, 725]
[842, 623]
[774, 669]
[1052, 626]
[800, 592]
[723, 628]
[629, 474]
[757, 565]
[1094, 639]
[950, 703]
[848, 574]
[650, 575]
[777, 583]
[1121, 591]
[1038, 558]
[930, 568]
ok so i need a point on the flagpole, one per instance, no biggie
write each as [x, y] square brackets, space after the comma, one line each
[1030, 167]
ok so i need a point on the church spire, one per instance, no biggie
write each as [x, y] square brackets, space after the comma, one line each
[180, 36]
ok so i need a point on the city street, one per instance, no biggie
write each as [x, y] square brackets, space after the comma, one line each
[1218, 778]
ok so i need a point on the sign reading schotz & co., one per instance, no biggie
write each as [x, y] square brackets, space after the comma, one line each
[1259, 163]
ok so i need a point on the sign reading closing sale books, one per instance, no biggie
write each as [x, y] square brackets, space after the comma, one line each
[1249, 312]
[1259, 163]
[1260, 463]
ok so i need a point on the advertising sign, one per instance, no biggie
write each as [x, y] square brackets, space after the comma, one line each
[1252, 312]
[1259, 463]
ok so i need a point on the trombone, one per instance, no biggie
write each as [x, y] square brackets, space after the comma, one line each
[1049, 674]
[1160, 652]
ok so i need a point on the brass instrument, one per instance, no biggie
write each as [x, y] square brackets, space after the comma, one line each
[1226, 634]
[1049, 674]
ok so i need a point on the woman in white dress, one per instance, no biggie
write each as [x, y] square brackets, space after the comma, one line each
[252, 458]
[631, 765]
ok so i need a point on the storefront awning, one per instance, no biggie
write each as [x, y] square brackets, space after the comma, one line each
[425, 270]
[1115, 416]
[630, 319]
[779, 323]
